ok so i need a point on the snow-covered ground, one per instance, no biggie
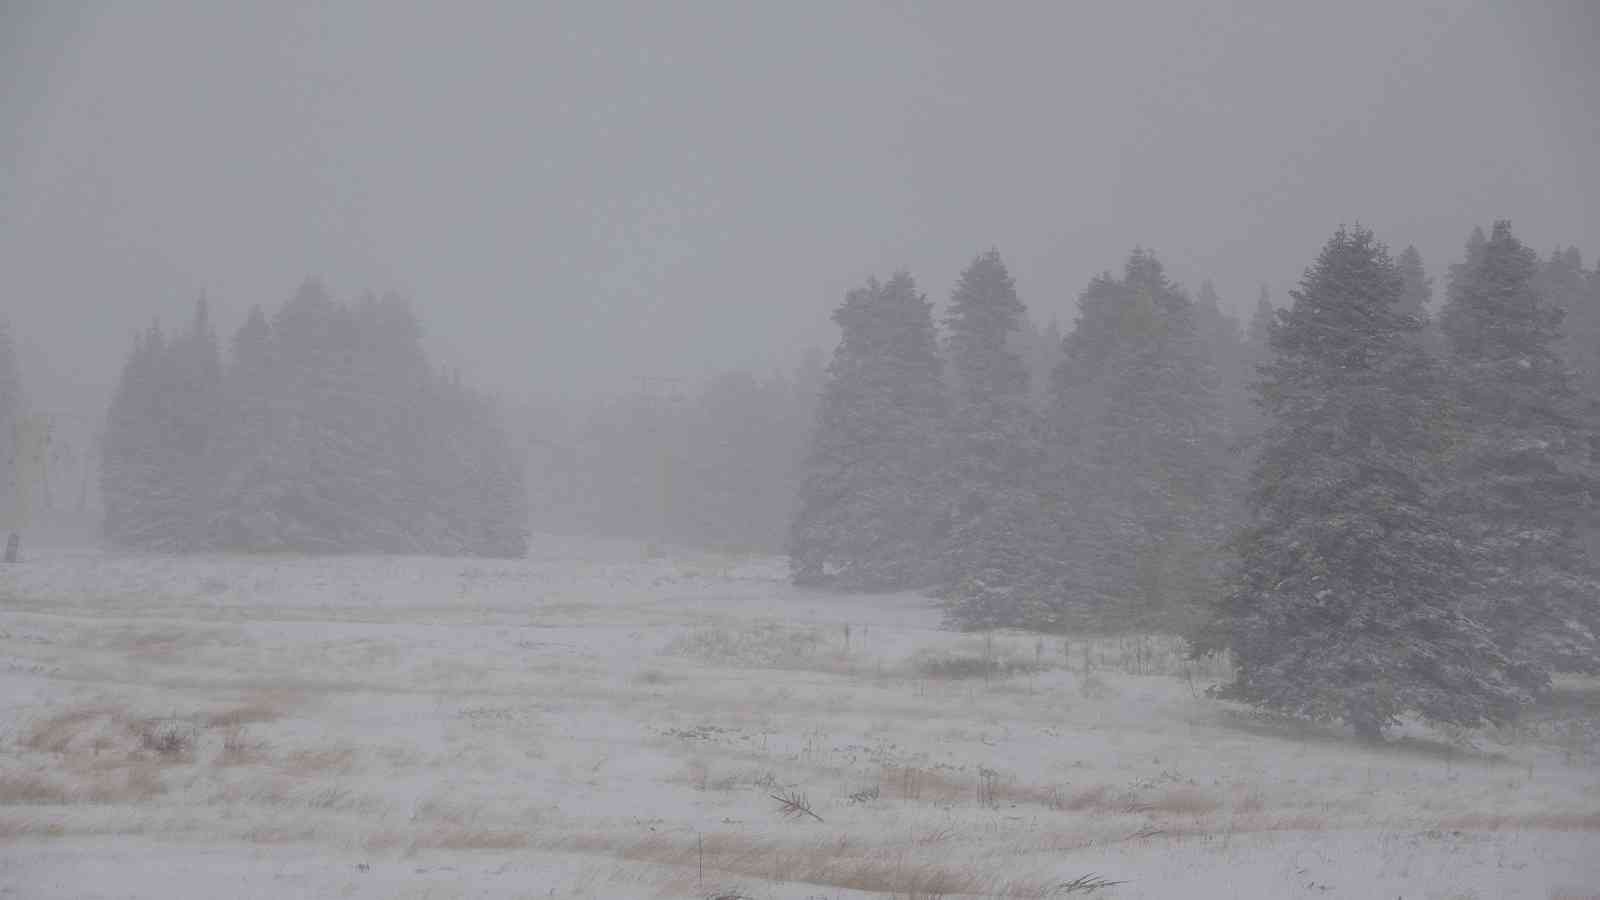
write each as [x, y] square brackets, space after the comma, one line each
[594, 723]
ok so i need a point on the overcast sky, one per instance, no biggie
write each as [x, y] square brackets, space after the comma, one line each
[577, 194]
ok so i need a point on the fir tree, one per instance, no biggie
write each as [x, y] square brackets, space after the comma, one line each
[1137, 452]
[144, 505]
[328, 432]
[1257, 353]
[1346, 598]
[12, 414]
[1225, 347]
[1259, 330]
[1416, 293]
[1524, 484]
[1566, 286]
[868, 515]
[994, 453]
[248, 472]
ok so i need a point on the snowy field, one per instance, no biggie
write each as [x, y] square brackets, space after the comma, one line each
[594, 723]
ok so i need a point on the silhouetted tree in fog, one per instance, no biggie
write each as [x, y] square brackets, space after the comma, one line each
[999, 524]
[1138, 452]
[12, 410]
[155, 464]
[328, 432]
[1523, 483]
[869, 515]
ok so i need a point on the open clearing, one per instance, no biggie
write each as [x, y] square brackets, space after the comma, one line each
[594, 723]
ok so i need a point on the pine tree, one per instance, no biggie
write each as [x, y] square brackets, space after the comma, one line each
[1259, 330]
[1565, 285]
[1137, 453]
[327, 432]
[868, 514]
[1225, 348]
[248, 468]
[156, 475]
[12, 415]
[1523, 482]
[1416, 293]
[989, 562]
[192, 405]
[1257, 352]
[1346, 598]
[144, 507]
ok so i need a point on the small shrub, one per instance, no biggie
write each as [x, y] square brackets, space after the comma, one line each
[169, 740]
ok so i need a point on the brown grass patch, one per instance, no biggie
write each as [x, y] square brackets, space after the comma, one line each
[252, 713]
[131, 784]
[1097, 798]
[31, 790]
[55, 734]
[1185, 802]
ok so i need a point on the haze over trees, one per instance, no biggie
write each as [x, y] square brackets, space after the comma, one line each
[326, 431]
[12, 408]
[1378, 506]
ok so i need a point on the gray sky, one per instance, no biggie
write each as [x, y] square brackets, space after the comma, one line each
[576, 194]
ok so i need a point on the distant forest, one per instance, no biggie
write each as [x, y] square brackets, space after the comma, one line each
[325, 429]
[1379, 497]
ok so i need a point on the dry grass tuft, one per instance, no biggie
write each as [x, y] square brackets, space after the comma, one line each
[239, 749]
[169, 739]
[316, 761]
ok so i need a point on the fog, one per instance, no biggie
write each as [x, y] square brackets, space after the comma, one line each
[798, 450]
[577, 195]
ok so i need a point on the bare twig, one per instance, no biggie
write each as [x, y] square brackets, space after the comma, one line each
[1085, 884]
[795, 805]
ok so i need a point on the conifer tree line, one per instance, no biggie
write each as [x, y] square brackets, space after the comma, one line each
[1378, 503]
[13, 408]
[323, 429]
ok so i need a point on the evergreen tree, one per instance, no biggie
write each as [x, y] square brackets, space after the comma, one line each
[1471, 256]
[144, 507]
[1257, 353]
[248, 471]
[1259, 330]
[329, 432]
[1524, 485]
[1137, 454]
[1564, 284]
[868, 515]
[1416, 293]
[994, 453]
[1346, 598]
[1225, 347]
[12, 415]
